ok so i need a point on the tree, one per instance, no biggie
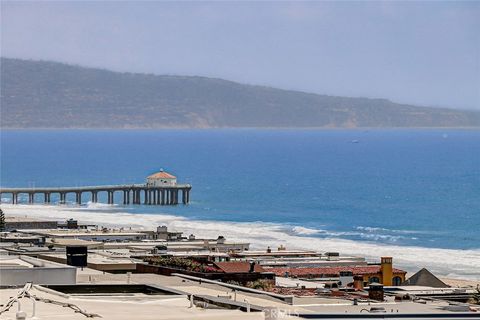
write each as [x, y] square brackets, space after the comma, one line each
[2, 220]
[476, 296]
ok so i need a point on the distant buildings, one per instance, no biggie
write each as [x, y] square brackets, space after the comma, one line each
[162, 233]
[163, 275]
[97, 234]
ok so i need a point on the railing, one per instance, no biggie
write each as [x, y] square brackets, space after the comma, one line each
[156, 195]
[91, 188]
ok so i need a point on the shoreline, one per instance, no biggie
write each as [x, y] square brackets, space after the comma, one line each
[456, 266]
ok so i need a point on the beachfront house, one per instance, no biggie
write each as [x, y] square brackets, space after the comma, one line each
[161, 179]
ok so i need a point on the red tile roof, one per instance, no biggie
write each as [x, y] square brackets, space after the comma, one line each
[161, 175]
[238, 266]
[329, 271]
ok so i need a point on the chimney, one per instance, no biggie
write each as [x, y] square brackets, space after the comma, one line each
[252, 267]
[375, 291]
[162, 229]
[358, 282]
[269, 250]
[72, 224]
[386, 269]
[77, 256]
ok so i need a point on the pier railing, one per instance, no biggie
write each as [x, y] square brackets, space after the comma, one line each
[132, 193]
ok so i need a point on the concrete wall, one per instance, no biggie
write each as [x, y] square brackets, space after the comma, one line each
[15, 225]
[104, 237]
[240, 277]
[41, 272]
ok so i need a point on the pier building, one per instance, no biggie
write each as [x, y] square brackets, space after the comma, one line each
[161, 179]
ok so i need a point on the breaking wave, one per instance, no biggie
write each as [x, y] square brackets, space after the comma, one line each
[305, 231]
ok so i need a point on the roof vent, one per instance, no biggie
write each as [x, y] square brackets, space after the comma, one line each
[377, 310]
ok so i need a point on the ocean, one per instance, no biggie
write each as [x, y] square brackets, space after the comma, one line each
[413, 194]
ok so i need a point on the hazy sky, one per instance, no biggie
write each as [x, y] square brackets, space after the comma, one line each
[424, 53]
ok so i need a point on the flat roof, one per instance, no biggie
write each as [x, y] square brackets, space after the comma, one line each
[25, 219]
[62, 242]
[131, 251]
[13, 262]
[23, 262]
[16, 235]
[140, 307]
[412, 308]
[311, 305]
[96, 258]
[296, 283]
[81, 232]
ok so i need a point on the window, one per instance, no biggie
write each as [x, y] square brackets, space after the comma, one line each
[396, 281]
[373, 279]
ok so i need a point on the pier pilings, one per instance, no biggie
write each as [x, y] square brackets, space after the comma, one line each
[132, 194]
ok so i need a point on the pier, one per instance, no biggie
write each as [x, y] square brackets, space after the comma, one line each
[137, 194]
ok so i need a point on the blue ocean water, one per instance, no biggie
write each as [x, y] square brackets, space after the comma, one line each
[404, 187]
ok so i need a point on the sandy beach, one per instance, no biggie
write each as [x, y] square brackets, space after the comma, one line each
[461, 283]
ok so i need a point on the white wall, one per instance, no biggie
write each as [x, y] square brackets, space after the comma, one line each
[162, 182]
[46, 273]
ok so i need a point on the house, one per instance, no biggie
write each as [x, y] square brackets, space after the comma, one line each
[425, 278]
[383, 273]
[162, 233]
[161, 179]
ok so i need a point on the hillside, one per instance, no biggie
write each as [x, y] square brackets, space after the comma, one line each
[38, 94]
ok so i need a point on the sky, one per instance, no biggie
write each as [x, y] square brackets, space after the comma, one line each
[424, 53]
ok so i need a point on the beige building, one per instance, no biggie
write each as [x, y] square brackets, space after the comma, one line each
[161, 179]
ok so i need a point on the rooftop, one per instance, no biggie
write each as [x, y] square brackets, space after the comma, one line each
[82, 232]
[22, 262]
[240, 266]
[61, 242]
[25, 219]
[117, 306]
[329, 271]
[278, 253]
[161, 175]
[17, 270]
[98, 261]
